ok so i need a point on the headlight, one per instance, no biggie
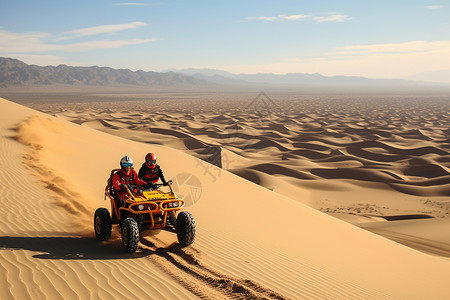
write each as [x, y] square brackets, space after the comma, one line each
[141, 207]
[172, 204]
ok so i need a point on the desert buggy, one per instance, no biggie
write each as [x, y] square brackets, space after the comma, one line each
[142, 211]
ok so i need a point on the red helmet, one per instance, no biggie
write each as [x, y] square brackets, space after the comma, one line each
[150, 160]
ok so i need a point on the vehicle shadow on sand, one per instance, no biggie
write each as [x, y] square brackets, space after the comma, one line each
[69, 248]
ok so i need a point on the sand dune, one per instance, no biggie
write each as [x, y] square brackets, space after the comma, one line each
[252, 242]
[376, 146]
[398, 142]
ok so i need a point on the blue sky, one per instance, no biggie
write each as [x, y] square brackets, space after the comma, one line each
[377, 39]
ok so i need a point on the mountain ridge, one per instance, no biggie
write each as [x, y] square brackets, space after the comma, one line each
[14, 72]
[290, 79]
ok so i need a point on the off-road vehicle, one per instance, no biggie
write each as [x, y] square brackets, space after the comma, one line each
[141, 211]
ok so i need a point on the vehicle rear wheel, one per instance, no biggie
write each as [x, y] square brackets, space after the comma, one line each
[130, 234]
[185, 227]
[102, 224]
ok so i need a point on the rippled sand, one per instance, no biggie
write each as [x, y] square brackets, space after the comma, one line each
[379, 163]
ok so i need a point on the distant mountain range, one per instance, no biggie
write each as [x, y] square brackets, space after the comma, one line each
[15, 73]
[293, 79]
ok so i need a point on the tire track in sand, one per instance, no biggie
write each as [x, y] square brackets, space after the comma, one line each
[183, 265]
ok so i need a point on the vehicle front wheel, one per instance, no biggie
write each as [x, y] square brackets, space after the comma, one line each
[130, 234]
[102, 224]
[185, 227]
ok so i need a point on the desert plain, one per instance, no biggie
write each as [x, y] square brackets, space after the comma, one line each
[294, 196]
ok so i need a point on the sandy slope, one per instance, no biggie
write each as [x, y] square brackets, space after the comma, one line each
[430, 235]
[251, 242]
[46, 247]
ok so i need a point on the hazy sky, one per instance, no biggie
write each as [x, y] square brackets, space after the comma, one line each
[376, 38]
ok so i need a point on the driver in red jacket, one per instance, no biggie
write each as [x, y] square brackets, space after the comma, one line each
[127, 176]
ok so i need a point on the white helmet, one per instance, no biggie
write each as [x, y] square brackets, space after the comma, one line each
[126, 161]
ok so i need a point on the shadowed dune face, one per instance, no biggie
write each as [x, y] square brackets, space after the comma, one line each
[402, 143]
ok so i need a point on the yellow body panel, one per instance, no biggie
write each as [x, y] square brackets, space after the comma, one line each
[152, 196]
[154, 203]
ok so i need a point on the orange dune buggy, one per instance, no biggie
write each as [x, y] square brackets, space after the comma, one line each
[142, 211]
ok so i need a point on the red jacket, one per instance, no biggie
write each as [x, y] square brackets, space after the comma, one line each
[147, 174]
[121, 177]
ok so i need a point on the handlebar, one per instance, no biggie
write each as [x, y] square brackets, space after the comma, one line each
[130, 187]
[128, 190]
[158, 185]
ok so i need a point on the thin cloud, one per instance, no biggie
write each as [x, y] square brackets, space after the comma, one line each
[25, 42]
[407, 47]
[104, 44]
[435, 7]
[333, 18]
[30, 42]
[294, 17]
[88, 31]
[280, 18]
[263, 18]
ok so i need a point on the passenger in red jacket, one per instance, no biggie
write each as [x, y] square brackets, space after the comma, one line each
[150, 171]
